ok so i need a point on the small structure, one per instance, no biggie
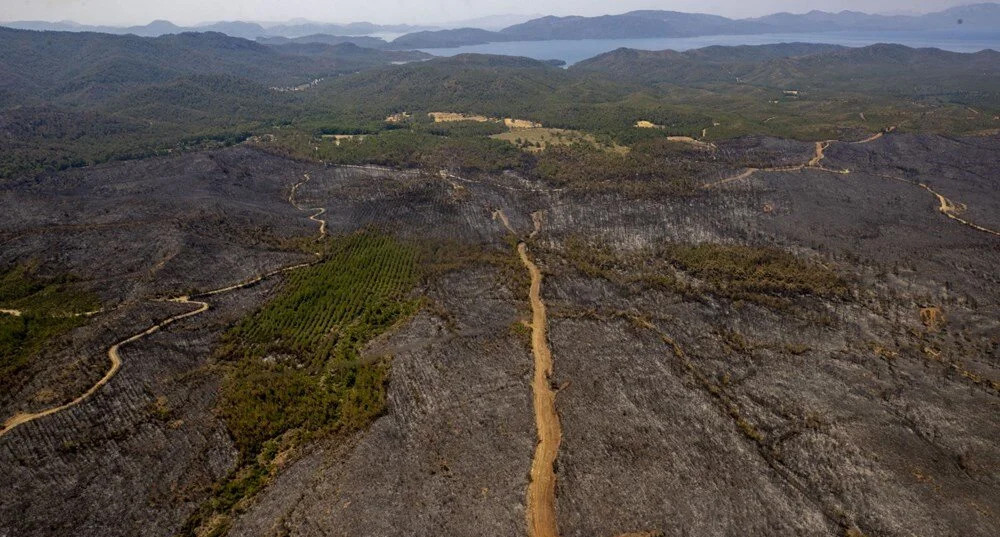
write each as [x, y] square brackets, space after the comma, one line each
[398, 118]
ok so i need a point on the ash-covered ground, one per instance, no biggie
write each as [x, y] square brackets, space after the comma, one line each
[683, 410]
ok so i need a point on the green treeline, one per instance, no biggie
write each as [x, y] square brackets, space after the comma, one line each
[48, 307]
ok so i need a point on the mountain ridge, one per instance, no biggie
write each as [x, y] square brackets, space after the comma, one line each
[635, 24]
[658, 23]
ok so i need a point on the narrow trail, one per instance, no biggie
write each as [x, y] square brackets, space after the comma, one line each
[19, 313]
[114, 355]
[499, 215]
[536, 220]
[318, 211]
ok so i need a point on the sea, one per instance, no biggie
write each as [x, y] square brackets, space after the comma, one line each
[577, 50]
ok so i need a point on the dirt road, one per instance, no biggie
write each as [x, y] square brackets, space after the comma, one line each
[820, 155]
[541, 494]
[949, 208]
[542, 489]
[15, 313]
[953, 209]
[116, 364]
[113, 352]
[813, 164]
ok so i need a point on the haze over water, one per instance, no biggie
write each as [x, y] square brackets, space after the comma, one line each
[577, 50]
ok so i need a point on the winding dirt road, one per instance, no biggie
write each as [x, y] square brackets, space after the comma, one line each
[949, 208]
[14, 313]
[813, 164]
[536, 220]
[116, 364]
[952, 209]
[201, 307]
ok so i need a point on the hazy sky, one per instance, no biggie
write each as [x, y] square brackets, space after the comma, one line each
[425, 11]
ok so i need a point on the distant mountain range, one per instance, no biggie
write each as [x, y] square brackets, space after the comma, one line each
[651, 24]
[635, 24]
[246, 30]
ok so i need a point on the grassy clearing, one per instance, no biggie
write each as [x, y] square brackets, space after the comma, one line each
[512, 123]
[447, 117]
[48, 306]
[540, 138]
[295, 369]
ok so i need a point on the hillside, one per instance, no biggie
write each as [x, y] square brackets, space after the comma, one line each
[83, 68]
[447, 38]
[326, 39]
[94, 97]
[467, 82]
[879, 69]
[636, 24]
[710, 64]
[976, 16]
[69, 99]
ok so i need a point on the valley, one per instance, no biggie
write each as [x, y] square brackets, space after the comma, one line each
[730, 290]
